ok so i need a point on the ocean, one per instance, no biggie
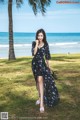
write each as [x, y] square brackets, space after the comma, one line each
[58, 43]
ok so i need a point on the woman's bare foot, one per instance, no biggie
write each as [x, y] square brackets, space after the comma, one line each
[42, 109]
[37, 102]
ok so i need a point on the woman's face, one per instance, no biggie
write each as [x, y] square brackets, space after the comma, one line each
[40, 37]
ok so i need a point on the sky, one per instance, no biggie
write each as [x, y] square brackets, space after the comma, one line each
[59, 18]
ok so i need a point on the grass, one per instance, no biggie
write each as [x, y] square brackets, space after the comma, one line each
[18, 92]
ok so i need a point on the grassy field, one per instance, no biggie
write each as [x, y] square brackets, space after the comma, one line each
[18, 92]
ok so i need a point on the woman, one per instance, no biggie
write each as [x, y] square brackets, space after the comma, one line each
[48, 93]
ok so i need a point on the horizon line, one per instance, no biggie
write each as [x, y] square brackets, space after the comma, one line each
[35, 32]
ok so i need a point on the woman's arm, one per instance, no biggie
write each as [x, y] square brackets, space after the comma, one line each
[47, 56]
[47, 63]
[36, 47]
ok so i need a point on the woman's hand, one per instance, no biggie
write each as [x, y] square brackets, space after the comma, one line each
[36, 47]
[47, 63]
[37, 42]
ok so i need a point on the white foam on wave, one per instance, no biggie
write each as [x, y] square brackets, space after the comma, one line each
[2, 46]
[65, 43]
[17, 45]
[51, 44]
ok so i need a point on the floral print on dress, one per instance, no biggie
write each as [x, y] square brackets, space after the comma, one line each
[39, 68]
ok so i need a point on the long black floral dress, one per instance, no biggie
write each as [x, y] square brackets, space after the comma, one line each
[39, 68]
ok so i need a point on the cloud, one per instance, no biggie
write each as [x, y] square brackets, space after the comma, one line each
[66, 11]
[50, 15]
[59, 14]
[56, 20]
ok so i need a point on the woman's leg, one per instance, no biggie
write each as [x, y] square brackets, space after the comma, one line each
[37, 86]
[40, 82]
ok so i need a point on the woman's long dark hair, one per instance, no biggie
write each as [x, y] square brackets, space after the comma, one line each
[44, 35]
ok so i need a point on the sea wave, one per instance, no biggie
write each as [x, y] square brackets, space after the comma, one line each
[16, 45]
[50, 44]
[64, 43]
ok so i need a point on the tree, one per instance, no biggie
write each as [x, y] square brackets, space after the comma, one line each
[37, 6]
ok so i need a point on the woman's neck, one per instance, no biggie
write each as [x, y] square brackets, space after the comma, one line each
[41, 43]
